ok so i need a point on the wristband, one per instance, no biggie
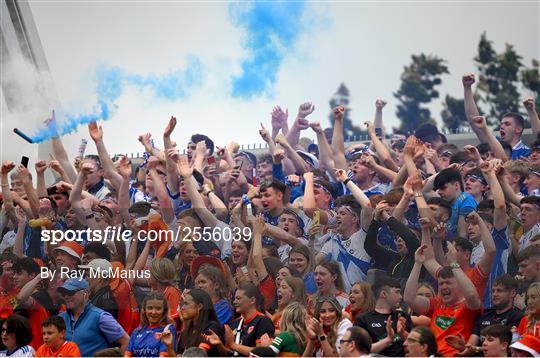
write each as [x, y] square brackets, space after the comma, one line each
[455, 265]
[346, 181]
[90, 216]
[245, 199]
[418, 194]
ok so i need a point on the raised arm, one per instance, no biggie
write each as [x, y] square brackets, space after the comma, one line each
[380, 148]
[172, 171]
[165, 205]
[419, 304]
[269, 139]
[300, 123]
[325, 152]
[499, 214]
[60, 152]
[124, 168]
[279, 121]
[299, 164]
[470, 105]
[96, 133]
[379, 105]
[479, 124]
[31, 195]
[472, 300]
[382, 171]
[488, 256]
[41, 189]
[359, 196]
[338, 142]
[533, 115]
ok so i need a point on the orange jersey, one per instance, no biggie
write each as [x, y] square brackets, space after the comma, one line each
[450, 321]
[172, 295]
[8, 301]
[67, 349]
[128, 310]
[479, 280]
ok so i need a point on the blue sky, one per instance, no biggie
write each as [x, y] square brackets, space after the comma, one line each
[220, 67]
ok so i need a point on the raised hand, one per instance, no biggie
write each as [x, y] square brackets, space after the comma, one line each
[278, 155]
[170, 127]
[211, 338]
[41, 167]
[24, 175]
[173, 154]
[390, 333]
[380, 103]
[451, 255]
[183, 167]
[259, 225]
[280, 139]
[432, 156]
[381, 211]
[55, 165]
[439, 231]
[473, 152]
[408, 188]
[473, 218]
[410, 146]
[87, 168]
[305, 109]
[486, 167]
[167, 337]
[316, 126]
[420, 255]
[294, 179]
[340, 175]
[368, 160]
[370, 127]
[96, 132]
[308, 176]
[479, 122]
[200, 149]
[425, 223]
[124, 167]
[279, 117]
[339, 112]
[417, 183]
[265, 134]
[145, 138]
[7, 166]
[529, 104]
[468, 79]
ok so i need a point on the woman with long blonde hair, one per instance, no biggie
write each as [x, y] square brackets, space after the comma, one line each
[291, 340]
[530, 323]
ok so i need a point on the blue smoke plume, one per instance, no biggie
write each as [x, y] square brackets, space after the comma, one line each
[111, 82]
[272, 30]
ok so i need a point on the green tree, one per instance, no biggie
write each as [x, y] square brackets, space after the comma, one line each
[453, 114]
[418, 82]
[530, 78]
[342, 97]
[498, 79]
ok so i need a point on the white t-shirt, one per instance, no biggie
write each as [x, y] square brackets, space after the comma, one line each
[353, 259]
[24, 351]
[525, 239]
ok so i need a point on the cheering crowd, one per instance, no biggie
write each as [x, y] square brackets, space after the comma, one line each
[408, 246]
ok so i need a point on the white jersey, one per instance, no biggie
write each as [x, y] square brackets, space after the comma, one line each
[24, 351]
[285, 249]
[350, 254]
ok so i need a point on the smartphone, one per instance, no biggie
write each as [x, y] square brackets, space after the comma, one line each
[211, 160]
[24, 161]
[378, 132]
[238, 164]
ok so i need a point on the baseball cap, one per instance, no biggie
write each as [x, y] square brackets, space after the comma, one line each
[71, 248]
[97, 264]
[74, 284]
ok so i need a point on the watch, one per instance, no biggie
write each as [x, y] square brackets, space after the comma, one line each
[322, 338]
[455, 265]
[418, 194]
